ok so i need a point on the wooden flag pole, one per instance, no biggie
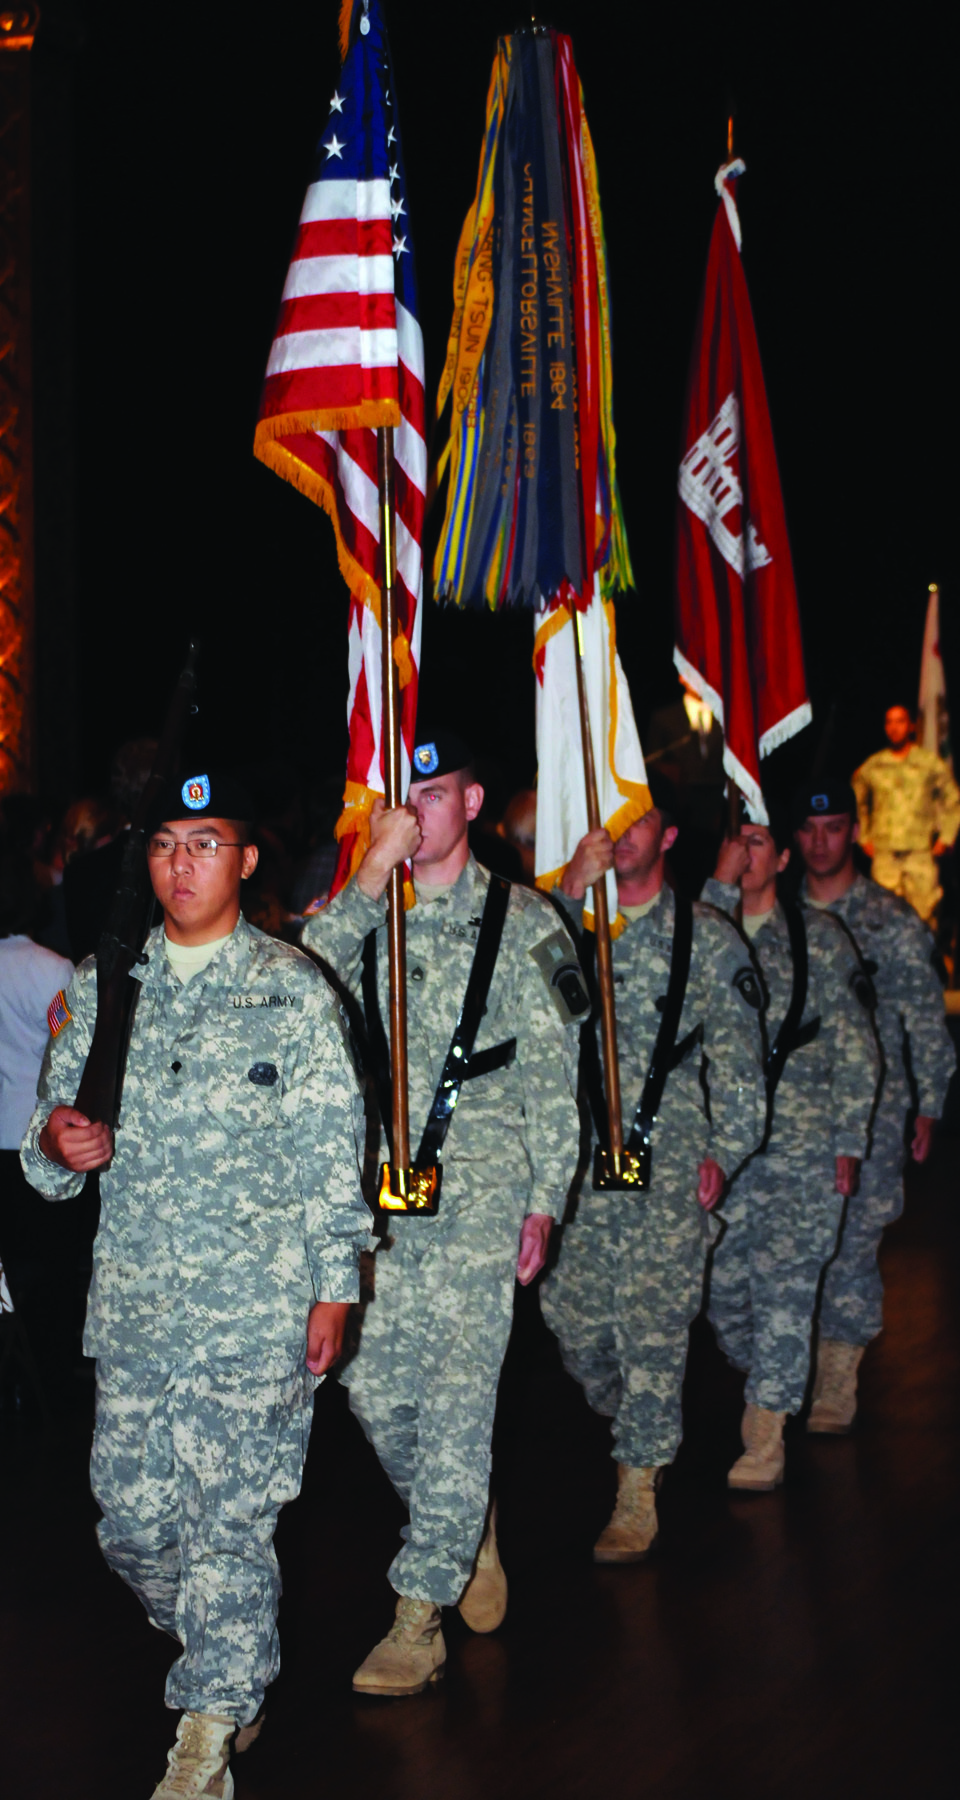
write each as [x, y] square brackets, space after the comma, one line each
[392, 781]
[601, 920]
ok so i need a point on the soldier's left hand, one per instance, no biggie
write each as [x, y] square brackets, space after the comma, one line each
[325, 1329]
[922, 1137]
[848, 1175]
[711, 1185]
[534, 1241]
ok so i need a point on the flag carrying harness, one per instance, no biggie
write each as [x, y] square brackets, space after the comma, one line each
[790, 1037]
[460, 1064]
[667, 1055]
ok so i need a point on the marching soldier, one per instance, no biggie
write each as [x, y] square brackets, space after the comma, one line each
[227, 1255]
[629, 1279]
[782, 1217]
[424, 1381]
[899, 956]
[909, 812]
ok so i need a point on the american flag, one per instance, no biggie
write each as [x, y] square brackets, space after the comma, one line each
[58, 1013]
[346, 358]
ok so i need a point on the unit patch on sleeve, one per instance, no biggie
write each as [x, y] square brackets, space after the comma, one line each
[58, 1014]
[562, 976]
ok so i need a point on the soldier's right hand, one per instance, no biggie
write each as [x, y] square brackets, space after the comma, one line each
[732, 860]
[394, 838]
[68, 1138]
[589, 863]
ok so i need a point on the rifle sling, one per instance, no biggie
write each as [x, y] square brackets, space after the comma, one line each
[790, 1037]
[460, 1064]
[667, 1053]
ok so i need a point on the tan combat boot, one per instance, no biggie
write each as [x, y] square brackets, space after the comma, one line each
[760, 1468]
[198, 1766]
[483, 1603]
[632, 1531]
[411, 1655]
[835, 1387]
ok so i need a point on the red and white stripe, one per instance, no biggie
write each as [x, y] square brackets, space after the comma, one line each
[346, 346]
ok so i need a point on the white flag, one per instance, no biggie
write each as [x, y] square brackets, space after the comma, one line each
[622, 788]
[933, 724]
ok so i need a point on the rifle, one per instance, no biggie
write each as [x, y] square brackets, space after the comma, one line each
[125, 933]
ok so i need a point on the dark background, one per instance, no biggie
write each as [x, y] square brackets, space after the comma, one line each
[171, 153]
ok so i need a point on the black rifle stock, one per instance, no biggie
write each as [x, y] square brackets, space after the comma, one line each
[125, 933]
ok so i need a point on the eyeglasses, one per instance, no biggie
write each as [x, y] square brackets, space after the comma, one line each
[201, 848]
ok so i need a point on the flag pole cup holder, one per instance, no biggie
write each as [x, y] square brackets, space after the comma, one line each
[622, 1171]
[410, 1190]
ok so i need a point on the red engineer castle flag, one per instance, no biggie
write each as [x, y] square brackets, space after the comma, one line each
[738, 625]
[346, 358]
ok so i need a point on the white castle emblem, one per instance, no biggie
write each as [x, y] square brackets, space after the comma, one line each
[708, 483]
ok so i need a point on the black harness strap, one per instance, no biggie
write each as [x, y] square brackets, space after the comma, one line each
[790, 1037]
[667, 1053]
[456, 1068]
[379, 1050]
[459, 1065]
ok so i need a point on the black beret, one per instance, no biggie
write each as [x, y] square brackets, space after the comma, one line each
[211, 795]
[439, 753]
[818, 799]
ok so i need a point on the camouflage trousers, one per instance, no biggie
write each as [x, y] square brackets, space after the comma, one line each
[781, 1221]
[190, 1467]
[424, 1381]
[852, 1306]
[626, 1288]
[914, 874]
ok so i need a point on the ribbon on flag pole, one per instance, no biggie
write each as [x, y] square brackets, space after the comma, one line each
[738, 640]
[346, 359]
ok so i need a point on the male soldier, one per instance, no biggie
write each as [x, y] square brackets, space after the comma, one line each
[424, 1382]
[226, 1259]
[909, 809]
[899, 957]
[783, 1215]
[629, 1280]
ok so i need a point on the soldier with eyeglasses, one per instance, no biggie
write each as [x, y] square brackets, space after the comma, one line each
[225, 1263]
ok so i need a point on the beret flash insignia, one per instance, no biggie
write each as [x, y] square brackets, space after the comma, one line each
[426, 759]
[195, 792]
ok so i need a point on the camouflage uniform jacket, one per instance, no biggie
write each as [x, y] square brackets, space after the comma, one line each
[898, 954]
[233, 1201]
[713, 1101]
[906, 803]
[517, 1127]
[826, 1093]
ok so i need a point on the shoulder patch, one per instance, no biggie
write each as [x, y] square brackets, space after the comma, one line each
[562, 976]
[58, 1014]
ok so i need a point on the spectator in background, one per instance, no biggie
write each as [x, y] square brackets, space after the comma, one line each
[909, 810]
[94, 838]
[31, 1244]
[518, 828]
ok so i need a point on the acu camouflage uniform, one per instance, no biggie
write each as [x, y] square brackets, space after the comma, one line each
[783, 1214]
[231, 1205]
[629, 1279]
[899, 956]
[424, 1381]
[905, 804]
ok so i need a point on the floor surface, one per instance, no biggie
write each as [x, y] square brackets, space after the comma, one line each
[786, 1645]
